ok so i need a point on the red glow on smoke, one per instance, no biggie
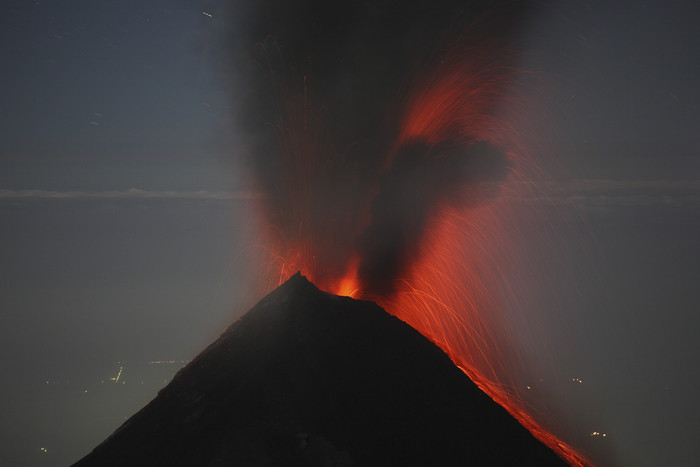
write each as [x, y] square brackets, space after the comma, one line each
[452, 290]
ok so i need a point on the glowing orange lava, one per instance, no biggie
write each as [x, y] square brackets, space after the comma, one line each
[349, 286]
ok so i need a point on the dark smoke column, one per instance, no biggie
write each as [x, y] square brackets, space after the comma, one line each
[320, 92]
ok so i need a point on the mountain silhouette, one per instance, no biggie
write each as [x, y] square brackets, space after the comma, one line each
[307, 378]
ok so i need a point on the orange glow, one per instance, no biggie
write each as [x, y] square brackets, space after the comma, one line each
[349, 285]
[456, 288]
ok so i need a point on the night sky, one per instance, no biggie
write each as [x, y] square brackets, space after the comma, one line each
[124, 201]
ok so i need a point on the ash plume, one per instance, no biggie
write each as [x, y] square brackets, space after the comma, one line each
[321, 94]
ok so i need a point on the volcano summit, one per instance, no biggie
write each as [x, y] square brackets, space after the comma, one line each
[309, 378]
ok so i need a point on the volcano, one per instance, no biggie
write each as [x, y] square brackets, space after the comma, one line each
[309, 378]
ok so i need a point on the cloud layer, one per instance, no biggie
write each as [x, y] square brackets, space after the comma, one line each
[581, 193]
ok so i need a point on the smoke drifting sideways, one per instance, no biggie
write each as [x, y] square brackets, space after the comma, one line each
[325, 103]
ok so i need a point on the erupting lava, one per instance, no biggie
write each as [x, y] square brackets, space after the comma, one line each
[425, 234]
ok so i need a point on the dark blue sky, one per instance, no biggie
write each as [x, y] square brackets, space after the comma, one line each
[114, 114]
[95, 92]
[624, 78]
[140, 87]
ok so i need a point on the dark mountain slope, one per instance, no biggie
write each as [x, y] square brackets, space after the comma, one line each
[308, 378]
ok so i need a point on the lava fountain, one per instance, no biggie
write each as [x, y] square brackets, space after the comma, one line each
[416, 215]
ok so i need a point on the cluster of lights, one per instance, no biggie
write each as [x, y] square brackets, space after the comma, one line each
[596, 433]
[116, 378]
[577, 380]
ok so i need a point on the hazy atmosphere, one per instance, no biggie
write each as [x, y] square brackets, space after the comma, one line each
[125, 206]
